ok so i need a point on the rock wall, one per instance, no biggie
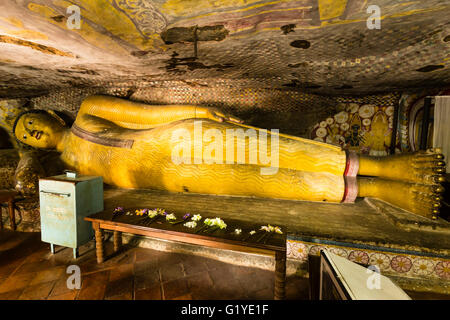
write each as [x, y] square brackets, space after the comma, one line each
[320, 46]
[9, 158]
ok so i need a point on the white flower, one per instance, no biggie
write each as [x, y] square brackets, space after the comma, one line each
[321, 132]
[341, 117]
[170, 217]
[389, 111]
[160, 211]
[196, 217]
[190, 224]
[237, 231]
[366, 122]
[278, 230]
[366, 111]
[270, 228]
[215, 222]
[252, 232]
[152, 213]
[220, 223]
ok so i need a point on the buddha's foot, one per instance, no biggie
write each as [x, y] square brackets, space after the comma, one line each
[421, 199]
[425, 200]
[423, 167]
[427, 167]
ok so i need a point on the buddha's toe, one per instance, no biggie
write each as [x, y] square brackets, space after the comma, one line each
[429, 166]
[426, 200]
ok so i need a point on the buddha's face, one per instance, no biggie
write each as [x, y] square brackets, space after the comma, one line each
[39, 130]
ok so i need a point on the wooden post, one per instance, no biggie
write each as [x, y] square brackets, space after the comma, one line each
[98, 242]
[1, 218]
[280, 275]
[314, 276]
[11, 213]
[425, 123]
[117, 240]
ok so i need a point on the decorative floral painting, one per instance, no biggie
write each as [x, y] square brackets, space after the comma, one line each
[401, 263]
[364, 128]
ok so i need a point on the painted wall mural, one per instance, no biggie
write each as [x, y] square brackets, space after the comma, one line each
[365, 125]
[364, 128]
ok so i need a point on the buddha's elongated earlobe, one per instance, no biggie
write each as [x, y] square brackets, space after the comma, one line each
[54, 115]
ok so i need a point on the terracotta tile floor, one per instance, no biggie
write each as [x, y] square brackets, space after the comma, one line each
[29, 271]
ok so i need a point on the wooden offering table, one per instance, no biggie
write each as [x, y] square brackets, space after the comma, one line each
[262, 242]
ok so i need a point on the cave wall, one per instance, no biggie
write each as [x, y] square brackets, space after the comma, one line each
[291, 111]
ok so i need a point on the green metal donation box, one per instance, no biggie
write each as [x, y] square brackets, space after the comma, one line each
[65, 201]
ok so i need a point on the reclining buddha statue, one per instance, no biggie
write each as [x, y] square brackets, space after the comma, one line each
[132, 145]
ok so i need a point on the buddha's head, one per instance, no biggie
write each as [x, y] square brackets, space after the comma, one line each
[39, 128]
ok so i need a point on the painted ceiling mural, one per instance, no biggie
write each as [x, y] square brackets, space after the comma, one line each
[317, 46]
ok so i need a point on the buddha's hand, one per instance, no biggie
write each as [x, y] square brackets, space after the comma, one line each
[217, 115]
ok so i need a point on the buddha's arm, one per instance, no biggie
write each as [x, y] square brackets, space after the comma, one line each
[134, 115]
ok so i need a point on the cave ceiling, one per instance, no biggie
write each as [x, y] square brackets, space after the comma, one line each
[318, 46]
